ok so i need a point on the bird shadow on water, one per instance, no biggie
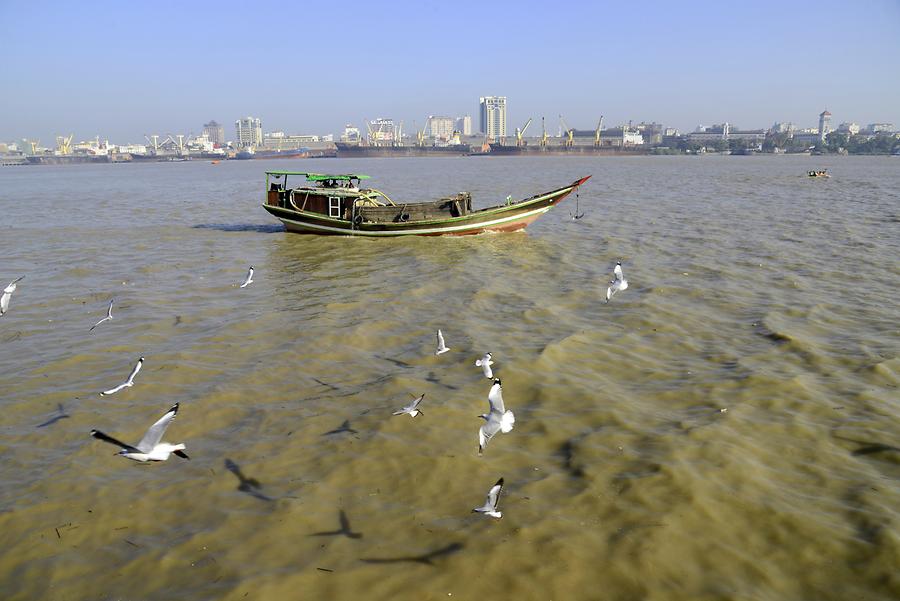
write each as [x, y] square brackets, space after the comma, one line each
[260, 228]
[424, 558]
[247, 485]
[53, 420]
[345, 427]
[345, 529]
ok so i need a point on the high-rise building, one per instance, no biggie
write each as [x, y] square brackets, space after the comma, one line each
[440, 128]
[493, 116]
[249, 132]
[215, 133]
[824, 124]
[464, 125]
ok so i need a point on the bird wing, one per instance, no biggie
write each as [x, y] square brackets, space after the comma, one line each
[440, 340]
[12, 285]
[495, 398]
[249, 277]
[109, 309]
[114, 390]
[416, 402]
[156, 431]
[486, 432]
[4, 302]
[494, 495]
[134, 372]
[618, 273]
[106, 438]
[486, 368]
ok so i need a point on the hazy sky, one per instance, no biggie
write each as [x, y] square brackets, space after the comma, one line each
[125, 69]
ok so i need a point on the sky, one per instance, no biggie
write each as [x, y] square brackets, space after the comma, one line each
[121, 70]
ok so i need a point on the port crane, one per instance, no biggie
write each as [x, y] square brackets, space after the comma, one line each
[544, 135]
[34, 145]
[597, 133]
[570, 133]
[521, 132]
[154, 142]
[64, 144]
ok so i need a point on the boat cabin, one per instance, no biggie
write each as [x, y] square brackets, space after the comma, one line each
[341, 197]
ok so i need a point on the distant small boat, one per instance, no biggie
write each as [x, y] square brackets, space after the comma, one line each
[214, 162]
[818, 173]
[336, 205]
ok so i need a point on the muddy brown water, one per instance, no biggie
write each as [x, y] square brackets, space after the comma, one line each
[752, 288]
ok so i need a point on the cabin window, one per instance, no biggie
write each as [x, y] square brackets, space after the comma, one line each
[334, 206]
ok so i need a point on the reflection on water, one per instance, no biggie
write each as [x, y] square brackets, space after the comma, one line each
[725, 428]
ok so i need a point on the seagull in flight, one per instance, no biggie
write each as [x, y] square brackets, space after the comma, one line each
[108, 315]
[617, 283]
[485, 364]
[441, 347]
[127, 383]
[150, 448]
[249, 279]
[490, 504]
[498, 419]
[7, 292]
[413, 408]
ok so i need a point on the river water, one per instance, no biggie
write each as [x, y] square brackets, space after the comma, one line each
[752, 289]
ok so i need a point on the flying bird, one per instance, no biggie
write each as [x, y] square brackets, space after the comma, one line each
[108, 315]
[441, 347]
[149, 448]
[249, 279]
[7, 292]
[413, 408]
[490, 504]
[485, 364]
[497, 419]
[617, 283]
[127, 383]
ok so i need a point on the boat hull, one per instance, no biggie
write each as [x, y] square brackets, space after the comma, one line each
[504, 218]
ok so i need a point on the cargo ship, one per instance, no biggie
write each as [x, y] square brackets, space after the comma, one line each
[561, 150]
[294, 153]
[348, 150]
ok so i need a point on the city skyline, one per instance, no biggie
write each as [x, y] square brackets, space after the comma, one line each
[686, 65]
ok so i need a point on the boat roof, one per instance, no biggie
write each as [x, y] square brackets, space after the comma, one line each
[321, 177]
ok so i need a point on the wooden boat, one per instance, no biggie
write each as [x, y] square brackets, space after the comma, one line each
[337, 205]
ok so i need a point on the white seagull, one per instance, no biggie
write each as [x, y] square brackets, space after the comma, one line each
[617, 283]
[150, 448]
[498, 419]
[7, 292]
[412, 408]
[249, 279]
[127, 383]
[485, 364]
[108, 315]
[441, 347]
[490, 504]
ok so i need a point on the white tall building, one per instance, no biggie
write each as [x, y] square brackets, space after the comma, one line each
[249, 132]
[493, 116]
[824, 124]
[464, 125]
[440, 128]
